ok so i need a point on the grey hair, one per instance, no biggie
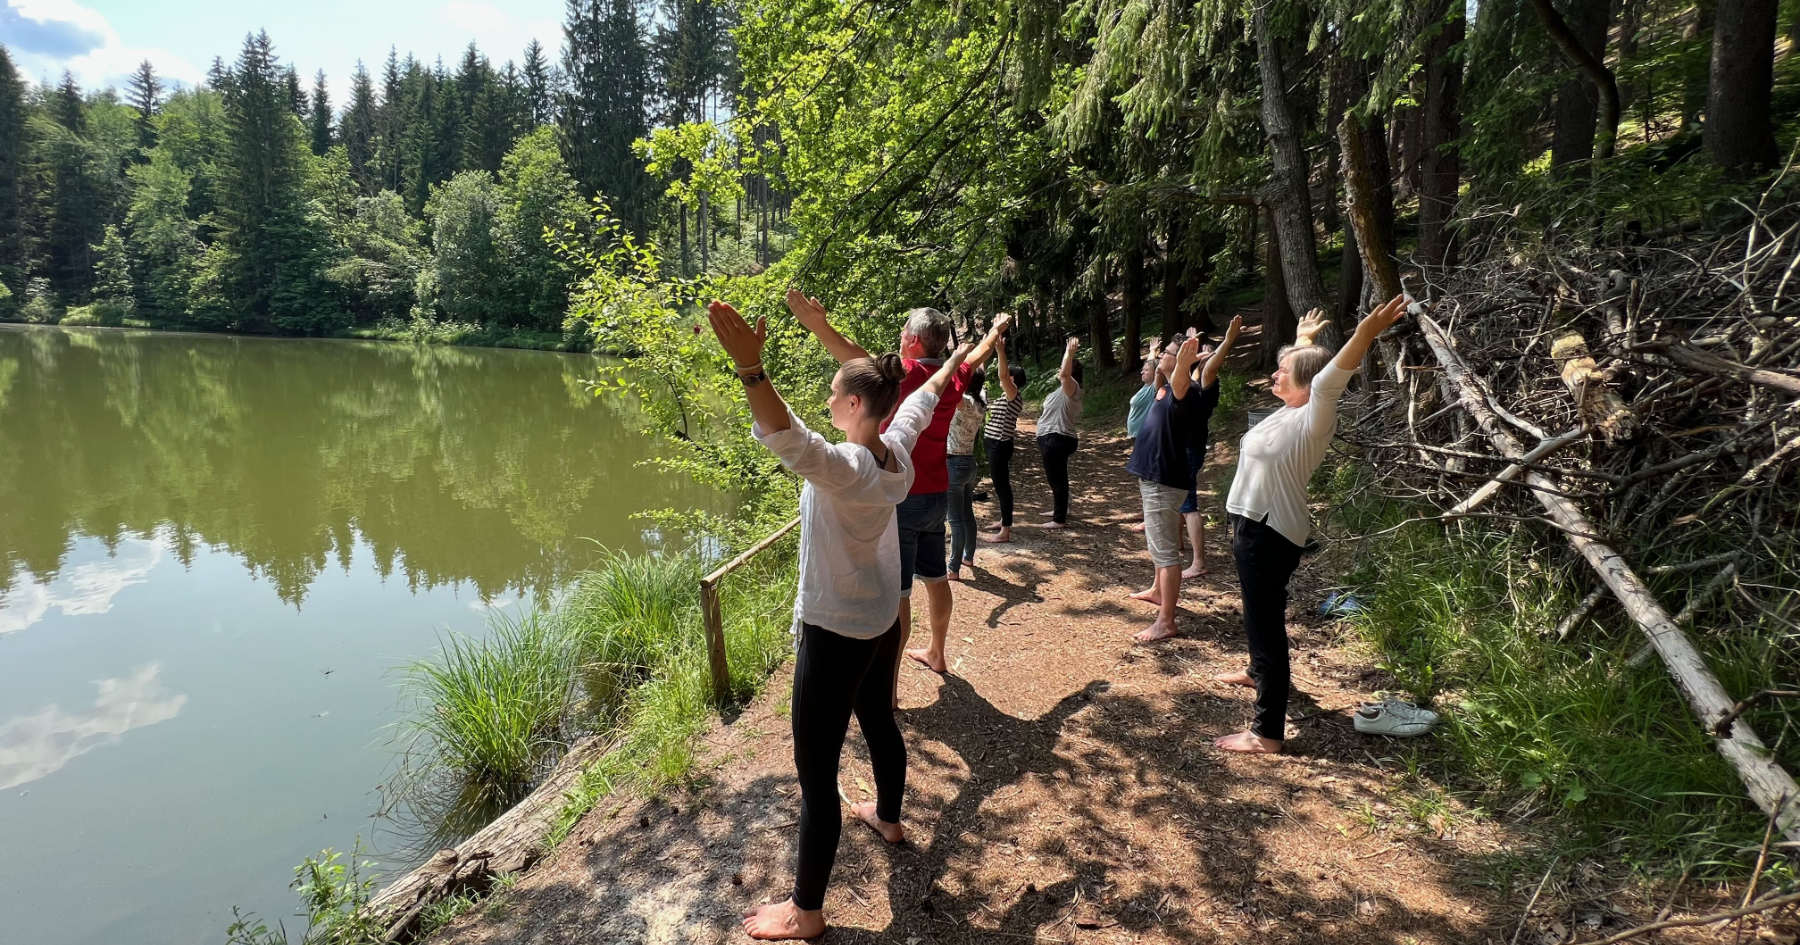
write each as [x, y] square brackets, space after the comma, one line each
[1308, 361]
[932, 328]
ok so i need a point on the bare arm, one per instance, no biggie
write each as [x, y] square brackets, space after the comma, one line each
[1066, 374]
[1184, 368]
[1006, 381]
[1308, 330]
[1210, 372]
[941, 379]
[811, 316]
[1350, 356]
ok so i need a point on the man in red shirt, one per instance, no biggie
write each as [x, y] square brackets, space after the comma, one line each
[924, 338]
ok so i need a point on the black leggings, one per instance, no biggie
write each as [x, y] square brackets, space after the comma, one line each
[833, 676]
[1056, 449]
[999, 453]
[1265, 562]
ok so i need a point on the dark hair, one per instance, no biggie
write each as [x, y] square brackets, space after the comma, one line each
[1075, 371]
[1017, 372]
[978, 386]
[876, 380]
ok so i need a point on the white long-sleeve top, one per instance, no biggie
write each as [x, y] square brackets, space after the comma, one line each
[849, 545]
[1277, 458]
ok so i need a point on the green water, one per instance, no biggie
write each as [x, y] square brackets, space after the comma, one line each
[214, 554]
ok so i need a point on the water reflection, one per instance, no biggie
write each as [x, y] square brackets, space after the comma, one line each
[32, 746]
[87, 588]
[455, 465]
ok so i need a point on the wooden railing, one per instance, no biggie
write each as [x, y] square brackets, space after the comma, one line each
[714, 620]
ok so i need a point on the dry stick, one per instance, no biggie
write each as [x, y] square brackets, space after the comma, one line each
[1762, 859]
[1739, 912]
[1512, 472]
[1767, 784]
[1713, 364]
[1581, 610]
[1744, 705]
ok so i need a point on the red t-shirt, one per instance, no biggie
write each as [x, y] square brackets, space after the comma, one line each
[930, 474]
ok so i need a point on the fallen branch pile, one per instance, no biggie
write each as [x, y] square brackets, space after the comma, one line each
[1643, 401]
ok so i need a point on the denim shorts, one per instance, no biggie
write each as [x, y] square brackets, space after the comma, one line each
[921, 521]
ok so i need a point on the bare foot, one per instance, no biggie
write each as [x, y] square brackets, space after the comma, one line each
[1000, 537]
[784, 920]
[865, 812]
[1193, 571]
[933, 661]
[1147, 595]
[1154, 632]
[1248, 743]
[1052, 525]
[1239, 678]
[1137, 526]
[953, 575]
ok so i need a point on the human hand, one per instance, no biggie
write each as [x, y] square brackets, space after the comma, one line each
[1188, 353]
[960, 354]
[1192, 332]
[1003, 323]
[741, 342]
[1073, 344]
[1383, 317]
[1310, 326]
[806, 309]
[1237, 325]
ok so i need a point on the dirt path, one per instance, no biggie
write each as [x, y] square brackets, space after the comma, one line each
[1062, 785]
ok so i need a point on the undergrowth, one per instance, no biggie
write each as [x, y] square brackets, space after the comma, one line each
[1566, 732]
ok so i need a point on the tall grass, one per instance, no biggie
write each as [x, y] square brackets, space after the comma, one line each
[1463, 617]
[493, 708]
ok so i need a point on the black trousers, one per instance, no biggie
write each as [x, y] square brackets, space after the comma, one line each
[1265, 562]
[1056, 449]
[834, 676]
[999, 454]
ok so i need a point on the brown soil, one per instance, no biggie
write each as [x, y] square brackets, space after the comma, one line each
[1062, 786]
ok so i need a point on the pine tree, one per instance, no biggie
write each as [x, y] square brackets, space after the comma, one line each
[603, 108]
[146, 90]
[395, 106]
[66, 105]
[296, 95]
[320, 121]
[539, 90]
[112, 274]
[359, 131]
[14, 208]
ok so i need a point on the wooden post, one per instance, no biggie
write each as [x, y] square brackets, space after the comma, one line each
[1771, 787]
[714, 619]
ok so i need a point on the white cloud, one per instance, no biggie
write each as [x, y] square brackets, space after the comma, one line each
[86, 588]
[49, 36]
[32, 746]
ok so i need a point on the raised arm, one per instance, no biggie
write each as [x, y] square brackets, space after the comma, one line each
[1210, 372]
[811, 316]
[1066, 375]
[745, 344]
[1350, 356]
[1184, 367]
[914, 413]
[1307, 332]
[1006, 381]
[937, 382]
[979, 354]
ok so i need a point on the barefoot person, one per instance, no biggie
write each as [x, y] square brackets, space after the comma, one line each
[848, 594]
[1159, 459]
[1267, 508]
[923, 338]
[1056, 433]
[998, 436]
[959, 460]
[1198, 435]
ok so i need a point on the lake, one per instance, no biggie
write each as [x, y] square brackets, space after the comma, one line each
[216, 554]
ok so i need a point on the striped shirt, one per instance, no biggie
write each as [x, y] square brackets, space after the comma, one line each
[1003, 419]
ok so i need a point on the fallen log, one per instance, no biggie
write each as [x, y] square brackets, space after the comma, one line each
[1512, 472]
[1769, 786]
[513, 843]
[1598, 406]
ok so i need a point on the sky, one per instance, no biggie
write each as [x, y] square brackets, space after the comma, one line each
[102, 41]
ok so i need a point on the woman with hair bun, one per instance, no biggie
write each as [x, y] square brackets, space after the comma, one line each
[849, 595]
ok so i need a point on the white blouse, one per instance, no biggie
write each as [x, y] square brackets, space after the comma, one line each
[849, 545]
[1278, 456]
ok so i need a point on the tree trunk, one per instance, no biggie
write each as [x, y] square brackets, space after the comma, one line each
[1132, 354]
[1693, 100]
[1288, 196]
[1738, 134]
[1173, 273]
[1337, 100]
[1441, 120]
[1278, 315]
[1590, 96]
[1366, 205]
[1100, 323]
[1350, 280]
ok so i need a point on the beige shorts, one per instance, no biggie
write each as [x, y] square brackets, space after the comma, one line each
[1162, 521]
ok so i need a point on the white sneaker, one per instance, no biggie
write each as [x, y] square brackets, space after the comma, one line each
[1393, 717]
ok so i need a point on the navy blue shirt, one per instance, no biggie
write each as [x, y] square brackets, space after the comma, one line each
[1159, 453]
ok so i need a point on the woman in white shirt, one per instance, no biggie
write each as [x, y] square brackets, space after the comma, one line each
[1267, 508]
[959, 462]
[848, 597]
[1057, 433]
